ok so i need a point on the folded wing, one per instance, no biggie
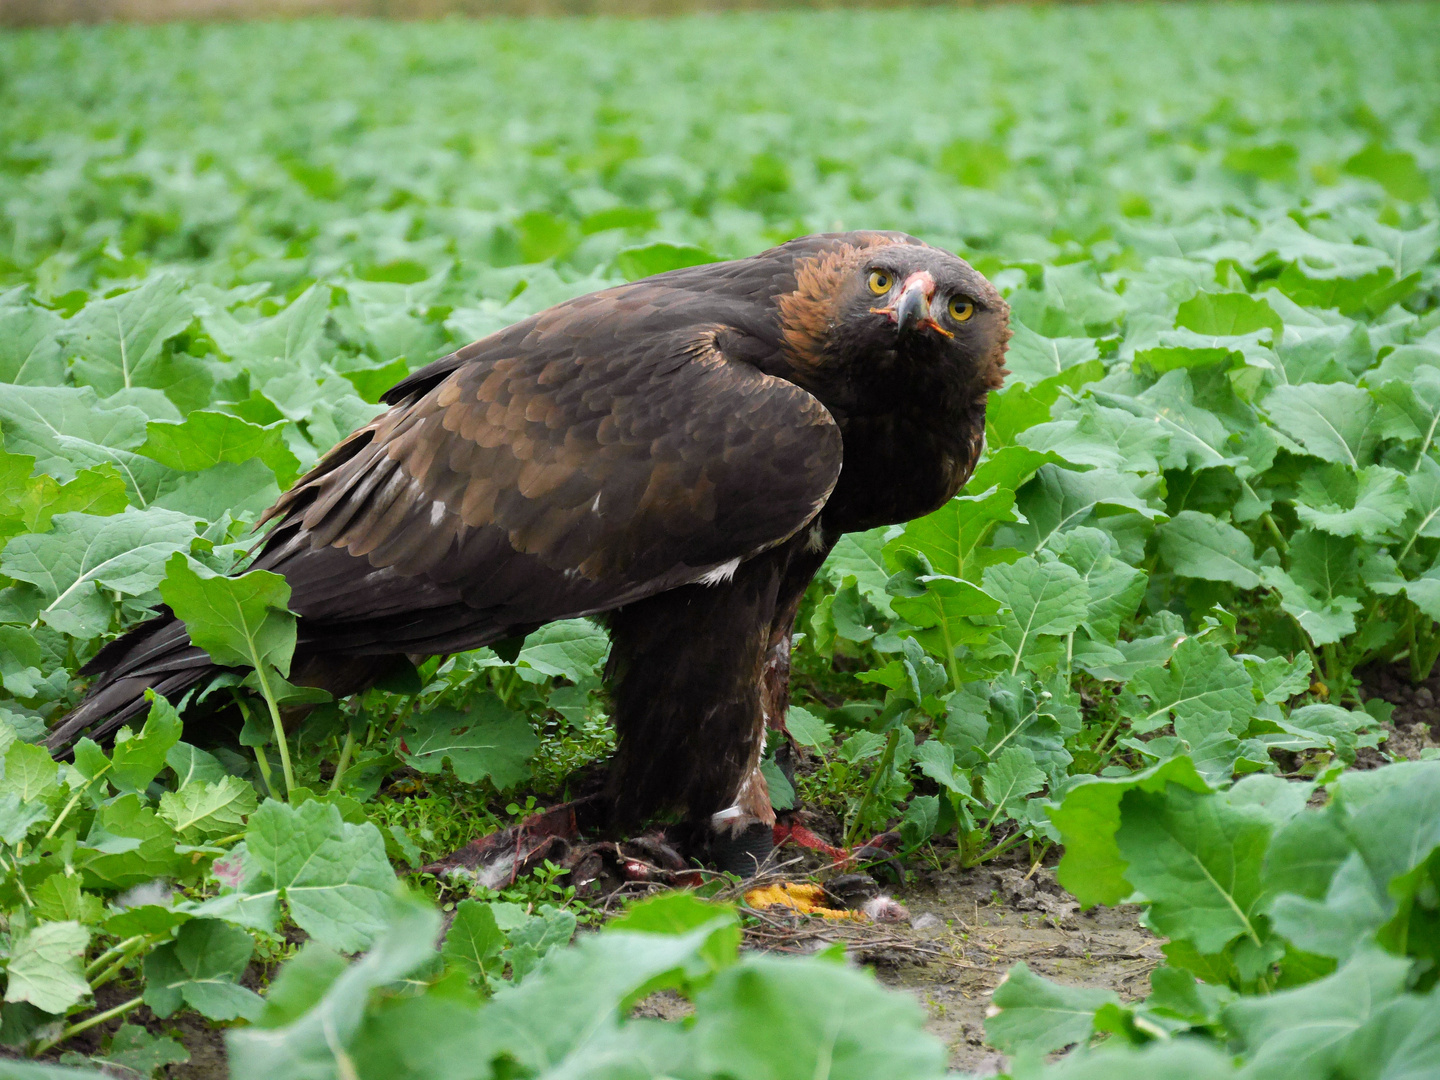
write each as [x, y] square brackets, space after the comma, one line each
[601, 452]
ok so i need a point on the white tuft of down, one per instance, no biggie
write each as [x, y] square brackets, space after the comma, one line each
[816, 540]
[721, 574]
[883, 909]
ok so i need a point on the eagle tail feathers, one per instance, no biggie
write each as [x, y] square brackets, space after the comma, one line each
[157, 655]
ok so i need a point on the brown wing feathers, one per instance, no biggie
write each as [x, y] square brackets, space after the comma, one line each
[557, 482]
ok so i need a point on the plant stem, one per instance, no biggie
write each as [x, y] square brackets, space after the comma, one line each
[74, 799]
[999, 849]
[1410, 637]
[881, 768]
[279, 724]
[1305, 641]
[343, 763]
[119, 965]
[20, 883]
[1105, 739]
[1423, 654]
[86, 1025]
[114, 950]
[264, 767]
[1276, 535]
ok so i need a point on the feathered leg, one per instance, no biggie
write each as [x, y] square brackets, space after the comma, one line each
[696, 674]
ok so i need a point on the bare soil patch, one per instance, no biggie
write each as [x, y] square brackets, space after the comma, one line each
[1415, 723]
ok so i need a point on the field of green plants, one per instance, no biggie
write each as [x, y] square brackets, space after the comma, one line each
[1146, 638]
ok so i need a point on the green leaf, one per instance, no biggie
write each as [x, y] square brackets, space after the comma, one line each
[1344, 919]
[29, 503]
[1304, 1031]
[1197, 857]
[1330, 726]
[1278, 679]
[45, 967]
[18, 817]
[474, 940]
[123, 553]
[20, 661]
[333, 876]
[937, 760]
[641, 262]
[1011, 776]
[1199, 546]
[1093, 435]
[204, 809]
[60, 898]
[129, 844]
[1410, 406]
[1369, 504]
[134, 1048]
[137, 759]
[1025, 712]
[1334, 422]
[1319, 590]
[1177, 349]
[766, 1019]
[325, 1002]
[1424, 486]
[1399, 1041]
[202, 968]
[31, 774]
[30, 346]
[1007, 469]
[1394, 170]
[1115, 587]
[1088, 818]
[1203, 691]
[1031, 1014]
[489, 740]
[68, 428]
[950, 537]
[1198, 438]
[204, 439]
[1011, 411]
[225, 490]
[278, 345]
[942, 614]
[567, 1007]
[118, 343]
[572, 648]
[1032, 358]
[808, 729]
[189, 763]
[859, 556]
[1042, 600]
[1059, 499]
[1229, 315]
[302, 983]
[237, 620]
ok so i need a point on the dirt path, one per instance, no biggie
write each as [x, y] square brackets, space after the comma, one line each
[988, 920]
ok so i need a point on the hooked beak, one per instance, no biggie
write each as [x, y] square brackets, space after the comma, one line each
[913, 305]
[912, 310]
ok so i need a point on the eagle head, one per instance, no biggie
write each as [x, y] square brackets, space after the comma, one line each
[881, 309]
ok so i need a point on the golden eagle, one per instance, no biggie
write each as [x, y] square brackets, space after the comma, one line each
[677, 455]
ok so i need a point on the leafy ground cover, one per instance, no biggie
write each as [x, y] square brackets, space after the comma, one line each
[1199, 556]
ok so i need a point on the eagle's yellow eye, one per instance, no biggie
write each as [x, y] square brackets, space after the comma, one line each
[880, 282]
[961, 309]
